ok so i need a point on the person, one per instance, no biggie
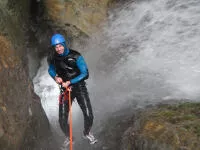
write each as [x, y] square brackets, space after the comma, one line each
[68, 68]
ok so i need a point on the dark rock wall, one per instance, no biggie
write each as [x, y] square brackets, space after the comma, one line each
[25, 29]
[22, 120]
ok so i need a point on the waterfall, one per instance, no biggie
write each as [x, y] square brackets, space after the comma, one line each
[147, 52]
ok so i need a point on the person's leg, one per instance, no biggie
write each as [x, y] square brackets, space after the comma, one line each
[82, 97]
[85, 105]
[63, 116]
[63, 120]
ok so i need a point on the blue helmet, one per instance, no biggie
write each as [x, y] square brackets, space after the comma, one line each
[57, 39]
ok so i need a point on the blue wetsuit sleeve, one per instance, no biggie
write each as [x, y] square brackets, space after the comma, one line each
[83, 70]
[52, 71]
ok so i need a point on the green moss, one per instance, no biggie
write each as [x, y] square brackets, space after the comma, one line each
[177, 113]
[193, 127]
[181, 124]
[167, 113]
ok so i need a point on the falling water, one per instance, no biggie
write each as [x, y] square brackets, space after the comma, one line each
[147, 52]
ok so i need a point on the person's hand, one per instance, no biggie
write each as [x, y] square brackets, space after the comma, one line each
[66, 84]
[58, 80]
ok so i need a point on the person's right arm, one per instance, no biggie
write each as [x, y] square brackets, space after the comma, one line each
[52, 73]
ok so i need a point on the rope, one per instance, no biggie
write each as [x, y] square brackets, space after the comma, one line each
[70, 119]
[70, 112]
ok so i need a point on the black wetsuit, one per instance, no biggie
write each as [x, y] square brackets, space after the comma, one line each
[66, 67]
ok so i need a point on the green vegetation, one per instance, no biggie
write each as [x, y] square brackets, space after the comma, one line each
[178, 113]
[176, 125]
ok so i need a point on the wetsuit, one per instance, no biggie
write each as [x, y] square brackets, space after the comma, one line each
[70, 66]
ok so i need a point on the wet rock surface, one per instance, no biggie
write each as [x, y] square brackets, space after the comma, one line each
[166, 127]
[23, 123]
[77, 15]
[163, 126]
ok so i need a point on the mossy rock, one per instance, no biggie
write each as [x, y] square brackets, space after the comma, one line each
[170, 127]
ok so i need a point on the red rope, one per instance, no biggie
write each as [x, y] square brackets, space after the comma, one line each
[70, 118]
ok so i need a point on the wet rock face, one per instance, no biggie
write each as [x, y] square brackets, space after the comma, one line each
[84, 15]
[165, 127]
[23, 123]
[161, 127]
[14, 94]
[8, 59]
[17, 125]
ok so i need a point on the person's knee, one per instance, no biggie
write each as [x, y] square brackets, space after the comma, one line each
[91, 117]
[90, 120]
[63, 121]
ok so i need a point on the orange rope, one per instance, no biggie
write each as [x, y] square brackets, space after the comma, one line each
[70, 119]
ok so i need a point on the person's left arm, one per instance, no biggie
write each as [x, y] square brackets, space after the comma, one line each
[81, 64]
